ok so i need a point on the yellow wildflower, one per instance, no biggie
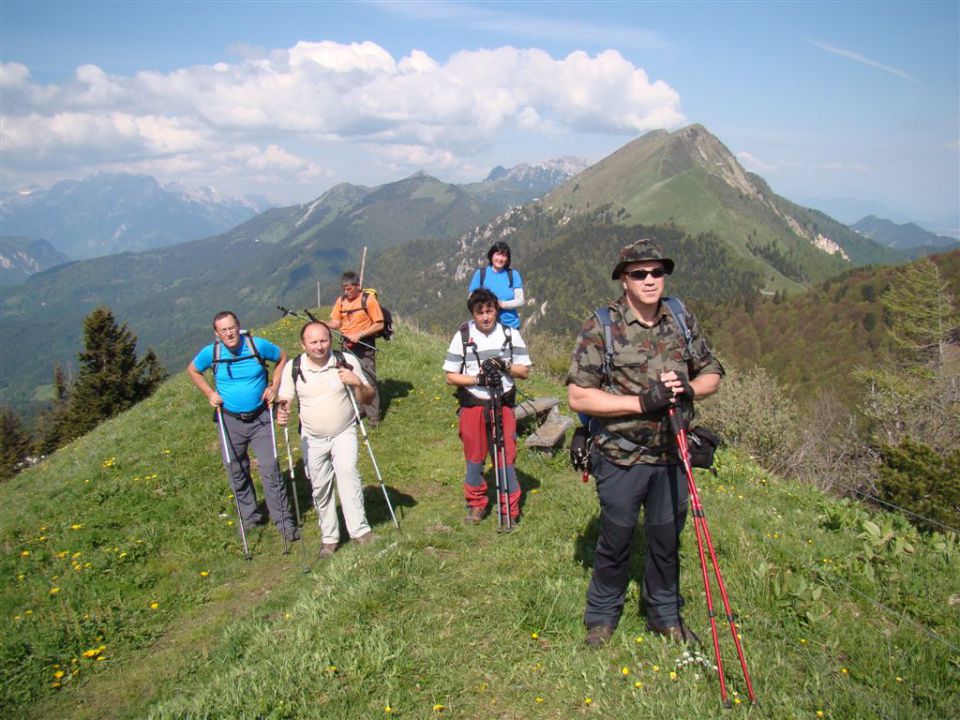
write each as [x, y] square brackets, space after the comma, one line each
[154, 605]
[204, 573]
[76, 526]
[538, 699]
[534, 635]
[673, 675]
[59, 674]
[625, 670]
[438, 708]
[25, 553]
[54, 590]
[587, 701]
[638, 684]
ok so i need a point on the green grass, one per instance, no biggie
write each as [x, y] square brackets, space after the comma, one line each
[840, 611]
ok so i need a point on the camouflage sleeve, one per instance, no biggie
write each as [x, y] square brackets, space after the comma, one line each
[704, 362]
[586, 363]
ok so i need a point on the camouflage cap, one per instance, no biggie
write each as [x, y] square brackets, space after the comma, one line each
[641, 251]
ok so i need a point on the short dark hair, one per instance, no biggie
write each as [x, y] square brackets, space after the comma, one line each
[499, 246]
[350, 277]
[223, 314]
[303, 330]
[480, 297]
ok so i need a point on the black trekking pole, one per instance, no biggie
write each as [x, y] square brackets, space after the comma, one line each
[286, 312]
[276, 460]
[296, 500]
[366, 441]
[703, 538]
[236, 501]
[499, 451]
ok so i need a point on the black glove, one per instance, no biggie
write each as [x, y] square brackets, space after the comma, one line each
[492, 370]
[656, 397]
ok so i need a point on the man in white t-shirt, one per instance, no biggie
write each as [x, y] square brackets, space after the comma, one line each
[484, 340]
[321, 381]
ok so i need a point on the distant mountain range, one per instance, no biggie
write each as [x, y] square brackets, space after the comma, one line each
[111, 213]
[167, 295]
[906, 236]
[732, 236]
[22, 257]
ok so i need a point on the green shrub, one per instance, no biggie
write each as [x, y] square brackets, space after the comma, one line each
[917, 478]
[751, 411]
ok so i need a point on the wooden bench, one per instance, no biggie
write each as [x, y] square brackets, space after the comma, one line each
[552, 433]
[536, 407]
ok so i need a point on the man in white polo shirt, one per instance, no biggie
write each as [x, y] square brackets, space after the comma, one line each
[327, 421]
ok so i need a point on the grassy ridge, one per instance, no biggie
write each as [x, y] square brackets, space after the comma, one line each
[438, 619]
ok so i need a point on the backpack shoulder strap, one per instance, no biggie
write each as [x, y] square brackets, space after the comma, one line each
[483, 274]
[510, 277]
[248, 338]
[606, 369]
[467, 343]
[363, 300]
[297, 371]
[507, 341]
[679, 312]
[340, 359]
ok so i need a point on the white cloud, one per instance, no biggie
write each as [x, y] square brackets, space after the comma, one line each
[415, 111]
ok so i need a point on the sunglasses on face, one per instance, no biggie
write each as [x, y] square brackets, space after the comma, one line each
[642, 274]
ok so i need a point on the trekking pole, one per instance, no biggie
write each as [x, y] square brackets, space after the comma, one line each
[236, 501]
[703, 538]
[276, 460]
[296, 501]
[498, 446]
[286, 312]
[366, 441]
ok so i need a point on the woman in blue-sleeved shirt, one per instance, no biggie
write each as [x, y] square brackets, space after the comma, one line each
[504, 281]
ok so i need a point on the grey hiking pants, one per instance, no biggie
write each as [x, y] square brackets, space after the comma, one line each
[661, 491]
[258, 435]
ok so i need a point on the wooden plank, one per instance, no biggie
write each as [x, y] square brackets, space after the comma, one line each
[551, 433]
[537, 406]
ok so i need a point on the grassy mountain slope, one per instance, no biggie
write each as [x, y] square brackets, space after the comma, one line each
[126, 595]
[690, 179]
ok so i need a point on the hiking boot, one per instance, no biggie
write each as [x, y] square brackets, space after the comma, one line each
[474, 515]
[291, 534]
[675, 633]
[597, 635]
[366, 538]
[327, 550]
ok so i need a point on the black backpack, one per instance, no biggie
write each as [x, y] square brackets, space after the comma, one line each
[388, 328]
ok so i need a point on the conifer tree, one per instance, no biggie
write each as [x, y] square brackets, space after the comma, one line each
[110, 379]
[14, 443]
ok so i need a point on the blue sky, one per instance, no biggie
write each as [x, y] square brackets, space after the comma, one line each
[845, 106]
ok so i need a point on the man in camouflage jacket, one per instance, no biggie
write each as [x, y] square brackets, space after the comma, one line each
[633, 456]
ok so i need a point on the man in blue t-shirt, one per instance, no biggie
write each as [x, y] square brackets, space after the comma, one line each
[243, 397]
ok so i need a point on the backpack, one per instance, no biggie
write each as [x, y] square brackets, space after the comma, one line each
[248, 339]
[483, 274]
[388, 327]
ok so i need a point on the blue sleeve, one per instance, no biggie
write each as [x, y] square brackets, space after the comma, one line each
[204, 359]
[268, 351]
[475, 282]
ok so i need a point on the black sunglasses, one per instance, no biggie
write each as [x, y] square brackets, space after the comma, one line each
[642, 274]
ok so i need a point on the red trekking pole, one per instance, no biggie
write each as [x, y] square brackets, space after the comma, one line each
[703, 538]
